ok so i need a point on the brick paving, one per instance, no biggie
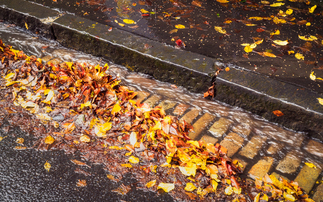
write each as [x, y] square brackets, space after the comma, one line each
[261, 147]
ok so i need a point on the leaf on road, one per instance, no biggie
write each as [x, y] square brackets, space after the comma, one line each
[122, 190]
[276, 32]
[49, 140]
[20, 140]
[167, 187]
[20, 148]
[151, 183]
[81, 183]
[222, 1]
[85, 138]
[280, 42]
[311, 165]
[189, 170]
[80, 163]
[299, 56]
[179, 26]
[312, 76]
[190, 187]
[278, 4]
[220, 30]
[289, 11]
[133, 159]
[312, 9]
[278, 113]
[126, 165]
[47, 166]
[129, 21]
[309, 38]
[320, 100]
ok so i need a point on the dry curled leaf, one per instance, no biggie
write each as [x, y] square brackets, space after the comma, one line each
[47, 166]
[81, 183]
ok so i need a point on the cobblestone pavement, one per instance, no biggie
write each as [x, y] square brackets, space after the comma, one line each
[261, 147]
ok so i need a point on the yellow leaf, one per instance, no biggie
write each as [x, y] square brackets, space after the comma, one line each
[289, 11]
[20, 148]
[228, 21]
[220, 30]
[43, 117]
[179, 26]
[277, 20]
[167, 187]
[50, 95]
[47, 166]
[49, 140]
[9, 76]
[250, 24]
[264, 197]
[214, 184]
[116, 108]
[311, 10]
[188, 171]
[133, 159]
[151, 184]
[190, 187]
[127, 165]
[20, 140]
[143, 11]
[311, 165]
[289, 197]
[320, 100]
[257, 198]
[116, 147]
[277, 4]
[299, 56]
[87, 104]
[248, 49]
[245, 44]
[85, 138]
[310, 38]
[308, 24]
[222, 1]
[258, 42]
[280, 42]
[277, 32]
[28, 28]
[312, 76]
[157, 126]
[256, 18]
[291, 52]
[129, 21]
[228, 190]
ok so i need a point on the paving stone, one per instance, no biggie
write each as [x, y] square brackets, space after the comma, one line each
[220, 127]
[280, 176]
[200, 125]
[54, 61]
[318, 196]
[243, 163]
[253, 146]
[243, 129]
[274, 148]
[180, 109]
[232, 142]
[46, 58]
[262, 167]
[209, 139]
[307, 177]
[151, 101]
[141, 95]
[315, 148]
[190, 116]
[167, 104]
[290, 163]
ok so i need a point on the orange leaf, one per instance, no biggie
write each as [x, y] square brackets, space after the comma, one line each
[278, 113]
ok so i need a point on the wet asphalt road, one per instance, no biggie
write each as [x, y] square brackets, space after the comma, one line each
[23, 177]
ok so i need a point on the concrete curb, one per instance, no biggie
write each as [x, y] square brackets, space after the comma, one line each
[254, 92]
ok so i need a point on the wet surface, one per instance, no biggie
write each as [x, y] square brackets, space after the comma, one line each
[158, 19]
[63, 179]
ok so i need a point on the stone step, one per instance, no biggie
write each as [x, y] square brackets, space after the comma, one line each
[153, 100]
[232, 142]
[307, 177]
[262, 167]
[220, 127]
[253, 146]
[191, 115]
[201, 125]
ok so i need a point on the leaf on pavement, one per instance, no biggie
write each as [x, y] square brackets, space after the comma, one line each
[85, 138]
[179, 26]
[222, 1]
[47, 166]
[20, 140]
[278, 113]
[312, 9]
[49, 140]
[189, 170]
[190, 187]
[311, 165]
[151, 183]
[278, 4]
[81, 183]
[133, 159]
[299, 56]
[129, 21]
[312, 76]
[320, 100]
[289, 11]
[308, 38]
[122, 190]
[80, 163]
[167, 187]
[280, 42]
[220, 30]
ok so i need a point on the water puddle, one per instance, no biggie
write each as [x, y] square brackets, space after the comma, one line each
[274, 141]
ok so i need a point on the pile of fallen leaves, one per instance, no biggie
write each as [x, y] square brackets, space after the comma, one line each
[87, 110]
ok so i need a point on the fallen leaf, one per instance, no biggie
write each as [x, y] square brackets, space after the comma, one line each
[179, 26]
[133, 159]
[312, 76]
[122, 190]
[311, 10]
[81, 183]
[151, 183]
[227, 69]
[49, 140]
[220, 30]
[222, 1]
[299, 56]
[189, 170]
[277, 4]
[47, 166]
[26, 26]
[167, 187]
[85, 138]
[278, 113]
[311, 165]
[116, 108]
[280, 42]
[127, 165]
[310, 38]
[190, 187]
[276, 32]
[248, 49]
[129, 21]
[289, 11]
[79, 163]
[20, 140]
[320, 100]
[228, 190]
